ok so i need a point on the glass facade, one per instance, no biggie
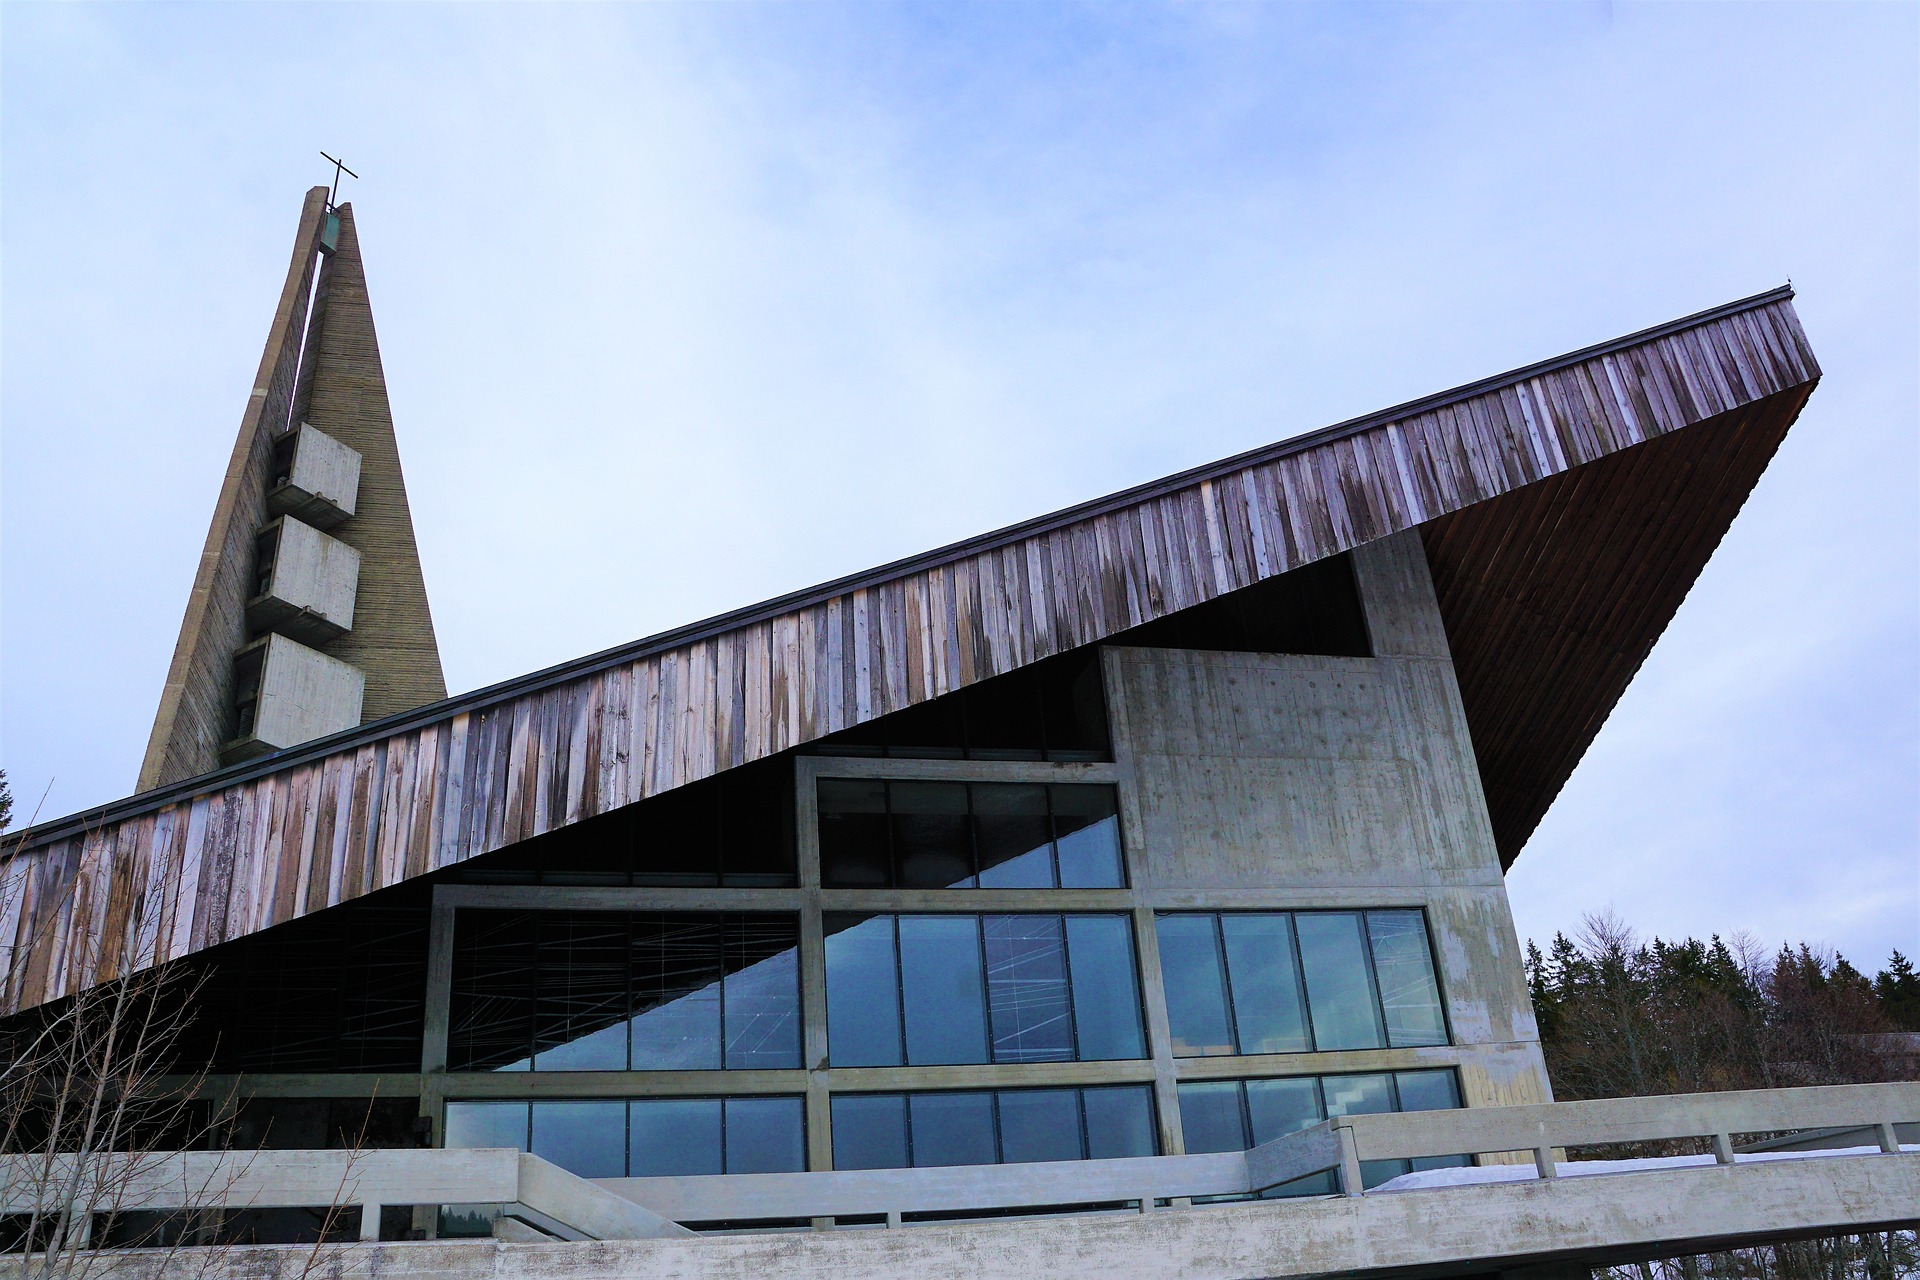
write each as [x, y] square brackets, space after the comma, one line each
[1294, 982]
[1234, 1115]
[929, 990]
[642, 1137]
[1000, 1126]
[958, 835]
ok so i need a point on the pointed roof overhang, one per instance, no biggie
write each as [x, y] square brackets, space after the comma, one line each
[1566, 508]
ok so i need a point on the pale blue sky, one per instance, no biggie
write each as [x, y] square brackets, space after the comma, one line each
[686, 306]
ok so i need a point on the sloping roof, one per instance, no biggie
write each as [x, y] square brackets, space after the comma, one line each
[1566, 507]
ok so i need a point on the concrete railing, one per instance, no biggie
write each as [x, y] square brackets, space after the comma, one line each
[515, 1185]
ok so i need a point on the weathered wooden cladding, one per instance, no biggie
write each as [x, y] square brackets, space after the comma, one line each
[1546, 625]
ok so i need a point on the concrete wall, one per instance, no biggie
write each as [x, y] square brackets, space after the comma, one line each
[304, 694]
[1275, 780]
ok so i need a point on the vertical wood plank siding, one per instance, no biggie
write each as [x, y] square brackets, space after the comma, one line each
[180, 873]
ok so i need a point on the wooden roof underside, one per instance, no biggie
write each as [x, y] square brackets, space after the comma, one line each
[1567, 507]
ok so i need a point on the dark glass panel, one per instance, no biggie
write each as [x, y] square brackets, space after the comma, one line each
[1003, 718]
[487, 1124]
[766, 1135]
[1210, 1117]
[1087, 824]
[674, 1136]
[1106, 993]
[677, 837]
[676, 993]
[863, 992]
[1039, 1124]
[1364, 1096]
[870, 1131]
[1269, 1012]
[1339, 992]
[932, 836]
[580, 1003]
[490, 1023]
[761, 994]
[1430, 1091]
[944, 1006]
[1120, 1122]
[1403, 964]
[1015, 842]
[1074, 706]
[584, 1138]
[951, 1128]
[853, 834]
[756, 825]
[1196, 985]
[1027, 988]
[929, 730]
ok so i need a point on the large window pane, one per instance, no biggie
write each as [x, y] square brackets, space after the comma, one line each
[584, 1138]
[932, 841]
[1027, 988]
[951, 1128]
[1339, 992]
[1361, 1096]
[1196, 986]
[1120, 1122]
[766, 1135]
[1106, 994]
[1403, 963]
[870, 1131]
[761, 994]
[1210, 1117]
[945, 1008]
[863, 992]
[1430, 1091]
[853, 834]
[675, 1136]
[1087, 826]
[490, 1027]
[580, 1004]
[487, 1124]
[676, 993]
[1015, 843]
[1268, 1013]
[1277, 1108]
[1039, 1124]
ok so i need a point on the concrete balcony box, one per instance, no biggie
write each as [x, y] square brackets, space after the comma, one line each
[315, 478]
[304, 582]
[287, 694]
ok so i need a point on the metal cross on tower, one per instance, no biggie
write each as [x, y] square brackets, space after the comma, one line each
[339, 167]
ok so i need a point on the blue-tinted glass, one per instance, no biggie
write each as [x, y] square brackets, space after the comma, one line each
[491, 1017]
[1196, 987]
[1106, 995]
[487, 1124]
[761, 995]
[1210, 1117]
[870, 1131]
[1403, 964]
[1279, 1107]
[766, 1135]
[946, 1010]
[1338, 989]
[1268, 1012]
[1011, 833]
[676, 993]
[584, 1138]
[1362, 1096]
[1027, 988]
[1430, 1091]
[853, 835]
[674, 1136]
[1119, 1122]
[1087, 827]
[951, 1128]
[863, 998]
[1039, 1124]
[932, 839]
[580, 997]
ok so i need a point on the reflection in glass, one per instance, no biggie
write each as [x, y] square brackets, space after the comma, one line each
[1119, 1122]
[490, 1018]
[1015, 846]
[487, 1124]
[1268, 1013]
[1039, 1124]
[863, 984]
[761, 993]
[870, 1131]
[766, 1135]
[676, 993]
[1106, 994]
[1027, 988]
[584, 1138]
[1196, 986]
[1430, 1091]
[1087, 826]
[1403, 963]
[580, 993]
[1210, 1117]
[1339, 992]
[674, 1136]
[932, 837]
[1276, 1108]
[951, 1128]
[1362, 1096]
[945, 1009]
